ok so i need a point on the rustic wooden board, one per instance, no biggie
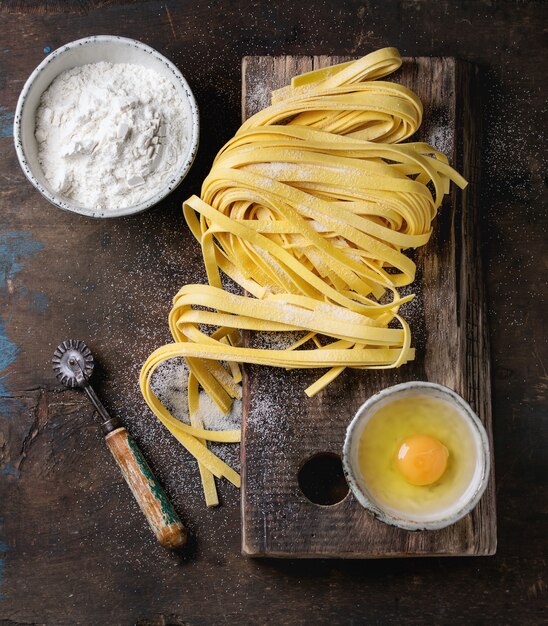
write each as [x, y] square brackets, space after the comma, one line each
[283, 428]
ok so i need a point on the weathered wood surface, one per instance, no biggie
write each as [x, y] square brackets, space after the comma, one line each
[450, 333]
[74, 547]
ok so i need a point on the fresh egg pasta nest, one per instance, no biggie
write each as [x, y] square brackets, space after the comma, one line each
[308, 208]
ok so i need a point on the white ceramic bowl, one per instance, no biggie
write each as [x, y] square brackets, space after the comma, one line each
[359, 487]
[93, 50]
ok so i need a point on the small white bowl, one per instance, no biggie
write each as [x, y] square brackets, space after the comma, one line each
[357, 484]
[81, 52]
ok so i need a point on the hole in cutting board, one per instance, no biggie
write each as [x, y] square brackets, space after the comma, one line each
[322, 480]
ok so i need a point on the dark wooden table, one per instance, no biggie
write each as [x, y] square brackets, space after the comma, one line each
[74, 547]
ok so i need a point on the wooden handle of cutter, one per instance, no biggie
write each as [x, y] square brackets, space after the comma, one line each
[148, 492]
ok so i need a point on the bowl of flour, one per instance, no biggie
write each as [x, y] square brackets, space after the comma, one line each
[106, 126]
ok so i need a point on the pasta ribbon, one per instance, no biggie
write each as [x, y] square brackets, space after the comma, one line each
[309, 208]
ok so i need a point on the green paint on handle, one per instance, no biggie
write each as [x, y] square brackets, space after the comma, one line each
[168, 512]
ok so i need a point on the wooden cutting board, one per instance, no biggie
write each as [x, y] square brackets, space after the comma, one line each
[283, 429]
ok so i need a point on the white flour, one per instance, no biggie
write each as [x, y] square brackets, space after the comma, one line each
[170, 384]
[110, 135]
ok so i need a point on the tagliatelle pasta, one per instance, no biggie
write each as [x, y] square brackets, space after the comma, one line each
[308, 208]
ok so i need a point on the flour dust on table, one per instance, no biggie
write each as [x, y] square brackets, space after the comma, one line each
[110, 135]
[170, 384]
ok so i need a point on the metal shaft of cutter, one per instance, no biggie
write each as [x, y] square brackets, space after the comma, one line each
[108, 423]
[99, 407]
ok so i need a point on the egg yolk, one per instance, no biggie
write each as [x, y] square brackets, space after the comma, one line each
[422, 459]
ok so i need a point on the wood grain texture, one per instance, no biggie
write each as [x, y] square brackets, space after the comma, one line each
[146, 490]
[56, 6]
[448, 322]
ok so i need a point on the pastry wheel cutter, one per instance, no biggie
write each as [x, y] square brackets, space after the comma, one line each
[73, 365]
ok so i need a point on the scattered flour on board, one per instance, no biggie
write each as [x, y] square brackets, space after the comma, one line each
[441, 137]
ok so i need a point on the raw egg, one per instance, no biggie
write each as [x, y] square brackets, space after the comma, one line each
[422, 459]
[417, 457]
